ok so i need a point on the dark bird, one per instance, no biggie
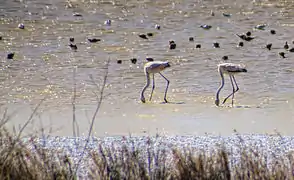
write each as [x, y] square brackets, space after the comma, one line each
[77, 15]
[172, 45]
[198, 45]
[269, 46]
[149, 59]
[73, 46]
[191, 39]
[119, 61]
[71, 39]
[291, 50]
[93, 40]
[248, 33]
[248, 38]
[157, 26]
[273, 31]
[21, 26]
[241, 44]
[244, 37]
[205, 26]
[143, 36]
[286, 46]
[10, 55]
[216, 45]
[134, 60]
[150, 34]
[225, 58]
[282, 54]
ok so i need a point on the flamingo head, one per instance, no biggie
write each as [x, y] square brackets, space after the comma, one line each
[217, 102]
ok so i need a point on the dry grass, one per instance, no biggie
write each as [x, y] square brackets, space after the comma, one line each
[124, 162]
[17, 161]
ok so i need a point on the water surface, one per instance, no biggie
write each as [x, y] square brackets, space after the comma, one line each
[44, 64]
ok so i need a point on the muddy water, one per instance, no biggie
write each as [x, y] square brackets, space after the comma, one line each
[43, 66]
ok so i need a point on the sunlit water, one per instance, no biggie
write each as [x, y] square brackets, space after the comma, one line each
[43, 66]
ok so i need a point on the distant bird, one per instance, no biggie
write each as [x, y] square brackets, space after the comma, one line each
[143, 36]
[212, 13]
[153, 68]
[150, 34]
[244, 37]
[205, 26]
[77, 14]
[10, 55]
[21, 26]
[157, 26]
[248, 38]
[282, 54]
[216, 45]
[191, 39]
[273, 31]
[119, 61]
[291, 50]
[269, 46]
[149, 59]
[227, 14]
[172, 45]
[241, 44]
[230, 69]
[107, 22]
[71, 39]
[225, 58]
[248, 33]
[93, 40]
[134, 60]
[286, 46]
[73, 46]
[260, 26]
[198, 45]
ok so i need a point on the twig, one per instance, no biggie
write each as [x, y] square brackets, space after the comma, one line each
[99, 99]
[74, 121]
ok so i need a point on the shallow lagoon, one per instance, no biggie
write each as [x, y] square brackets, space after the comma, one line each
[43, 66]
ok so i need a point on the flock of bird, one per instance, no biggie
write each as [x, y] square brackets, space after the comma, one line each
[156, 67]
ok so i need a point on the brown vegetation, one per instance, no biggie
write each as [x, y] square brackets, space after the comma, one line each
[18, 161]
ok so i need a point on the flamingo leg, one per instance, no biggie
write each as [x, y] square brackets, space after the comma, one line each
[233, 81]
[153, 87]
[167, 84]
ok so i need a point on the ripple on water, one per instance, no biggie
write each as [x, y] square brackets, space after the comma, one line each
[43, 58]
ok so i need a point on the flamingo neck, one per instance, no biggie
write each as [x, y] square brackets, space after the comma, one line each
[145, 87]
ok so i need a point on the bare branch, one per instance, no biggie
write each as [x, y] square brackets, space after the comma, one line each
[99, 102]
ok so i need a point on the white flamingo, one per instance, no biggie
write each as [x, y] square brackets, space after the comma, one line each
[154, 67]
[230, 69]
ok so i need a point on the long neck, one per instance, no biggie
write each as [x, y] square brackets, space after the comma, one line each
[221, 86]
[146, 85]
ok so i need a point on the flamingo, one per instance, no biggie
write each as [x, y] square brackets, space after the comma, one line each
[230, 69]
[154, 67]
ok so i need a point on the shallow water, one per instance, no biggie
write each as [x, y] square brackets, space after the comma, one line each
[44, 64]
